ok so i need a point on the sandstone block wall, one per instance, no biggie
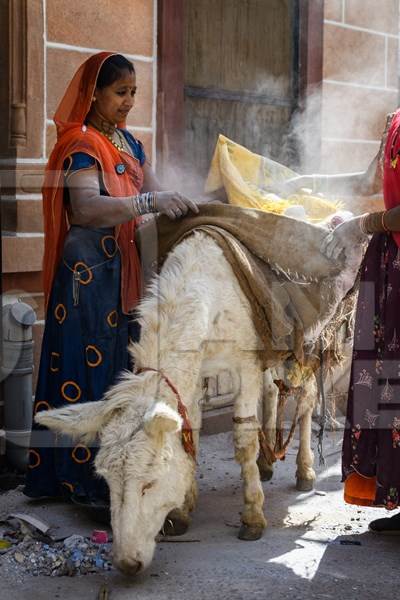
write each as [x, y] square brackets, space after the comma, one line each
[360, 79]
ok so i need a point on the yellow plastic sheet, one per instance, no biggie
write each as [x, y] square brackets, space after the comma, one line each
[250, 180]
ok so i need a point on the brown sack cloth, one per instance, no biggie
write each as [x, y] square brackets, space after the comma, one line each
[296, 293]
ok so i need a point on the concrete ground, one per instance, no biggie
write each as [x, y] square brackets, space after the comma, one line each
[300, 555]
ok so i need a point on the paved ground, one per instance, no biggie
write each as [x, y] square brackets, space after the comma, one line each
[300, 555]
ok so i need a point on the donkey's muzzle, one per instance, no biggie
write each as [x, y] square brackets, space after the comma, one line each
[129, 567]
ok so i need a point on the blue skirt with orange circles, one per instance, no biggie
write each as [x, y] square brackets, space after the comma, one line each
[84, 349]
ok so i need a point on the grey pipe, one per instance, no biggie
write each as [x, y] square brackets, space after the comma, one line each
[18, 319]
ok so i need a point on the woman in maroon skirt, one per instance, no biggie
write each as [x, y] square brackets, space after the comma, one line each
[371, 445]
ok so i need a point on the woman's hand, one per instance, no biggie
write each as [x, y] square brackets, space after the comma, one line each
[344, 235]
[174, 205]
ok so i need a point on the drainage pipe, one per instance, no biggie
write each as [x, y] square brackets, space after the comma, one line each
[17, 370]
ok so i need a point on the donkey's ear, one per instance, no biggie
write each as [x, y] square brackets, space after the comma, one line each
[161, 419]
[79, 420]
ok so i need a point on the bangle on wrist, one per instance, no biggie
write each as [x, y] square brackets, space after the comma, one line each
[135, 208]
[384, 226]
[143, 204]
[363, 223]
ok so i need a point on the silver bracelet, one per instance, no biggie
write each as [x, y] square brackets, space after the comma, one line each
[145, 203]
[135, 207]
[362, 223]
[154, 202]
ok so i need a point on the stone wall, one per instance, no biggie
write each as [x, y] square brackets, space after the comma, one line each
[76, 29]
[360, 79]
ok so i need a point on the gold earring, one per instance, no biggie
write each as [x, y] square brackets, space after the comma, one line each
[94, 99]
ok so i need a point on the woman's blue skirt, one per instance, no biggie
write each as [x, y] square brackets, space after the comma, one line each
[84, 350]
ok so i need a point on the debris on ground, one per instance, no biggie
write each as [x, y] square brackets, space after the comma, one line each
[5, 545]
[33, 523]
[75, 555]
[103, 593]
[99, 537]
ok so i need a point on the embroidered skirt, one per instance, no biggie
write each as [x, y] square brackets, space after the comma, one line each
[371, 447]
[84, 349]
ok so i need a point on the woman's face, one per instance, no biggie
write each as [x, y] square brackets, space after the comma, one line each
[116, 100]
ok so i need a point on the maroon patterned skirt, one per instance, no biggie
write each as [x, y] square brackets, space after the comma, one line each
[371, 445]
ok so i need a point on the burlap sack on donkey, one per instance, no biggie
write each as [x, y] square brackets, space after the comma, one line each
[294, 290]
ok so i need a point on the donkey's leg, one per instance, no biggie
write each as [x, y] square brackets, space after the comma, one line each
[305, 474]
[268, 409]
[192, 493]
[247, 448]
[178, 520]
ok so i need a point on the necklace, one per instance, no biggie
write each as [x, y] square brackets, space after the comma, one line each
[110, 137]
[123, 141]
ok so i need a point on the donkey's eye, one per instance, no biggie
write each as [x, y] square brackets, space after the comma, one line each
[147, 487]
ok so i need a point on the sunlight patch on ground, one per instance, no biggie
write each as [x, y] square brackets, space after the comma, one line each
[321, 515]
[305, 559]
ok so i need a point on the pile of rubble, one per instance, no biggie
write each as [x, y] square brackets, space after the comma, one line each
[32, 550]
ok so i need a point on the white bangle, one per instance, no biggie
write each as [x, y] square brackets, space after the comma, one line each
[135, 209]
[362, 223]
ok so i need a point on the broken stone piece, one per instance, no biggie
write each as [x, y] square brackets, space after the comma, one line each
[32, 521]
[20, 558]
[73, 540]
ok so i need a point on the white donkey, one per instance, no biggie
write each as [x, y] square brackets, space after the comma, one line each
[195, 321]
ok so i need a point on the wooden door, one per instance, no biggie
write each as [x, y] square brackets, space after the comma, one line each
[241, 76]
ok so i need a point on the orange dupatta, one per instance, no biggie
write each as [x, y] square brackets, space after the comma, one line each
[74, 136]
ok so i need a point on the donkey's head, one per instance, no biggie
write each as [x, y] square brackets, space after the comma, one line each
[142, 460]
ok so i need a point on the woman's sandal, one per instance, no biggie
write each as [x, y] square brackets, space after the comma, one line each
[386, 525]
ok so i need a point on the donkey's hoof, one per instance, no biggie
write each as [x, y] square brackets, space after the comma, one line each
[250, 533]
[175, 524]
[304, 485]
[266, 471]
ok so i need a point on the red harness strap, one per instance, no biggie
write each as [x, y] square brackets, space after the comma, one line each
[278, 451]
[187, 431]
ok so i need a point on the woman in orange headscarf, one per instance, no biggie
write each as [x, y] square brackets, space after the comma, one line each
[93, 194]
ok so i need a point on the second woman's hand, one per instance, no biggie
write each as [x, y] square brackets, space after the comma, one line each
[343, 235]
[174, 205]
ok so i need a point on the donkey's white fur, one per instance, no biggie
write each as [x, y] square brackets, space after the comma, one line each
[195, 321]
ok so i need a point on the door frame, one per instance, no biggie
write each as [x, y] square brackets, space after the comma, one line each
[308, 58]
[310, 76]
[170, 84]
